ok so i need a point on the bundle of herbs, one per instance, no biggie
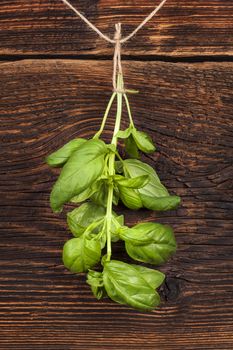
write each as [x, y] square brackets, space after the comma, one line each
[93, 172]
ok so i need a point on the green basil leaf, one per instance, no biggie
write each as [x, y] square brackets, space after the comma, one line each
[95, 280]
[117, 223]
[80, 218]
[124, 134]
[130, 197]
[136, 182]
[118, 167]
[134, 167]
[112, 148]
[115, 198]
[86, 194]
[156, 252]
[131, 147]
[91, 216]
[143, 141]
[59, 157]
[161, 203]
[140, 234]
[125, 284]
[81, 170]
[81, 254]
[153, 277]
[154, 191]
[120, 220]
[100, 196]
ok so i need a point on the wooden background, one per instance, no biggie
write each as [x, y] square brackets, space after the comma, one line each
[55, 76]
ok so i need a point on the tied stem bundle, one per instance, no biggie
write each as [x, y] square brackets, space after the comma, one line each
[96, 177]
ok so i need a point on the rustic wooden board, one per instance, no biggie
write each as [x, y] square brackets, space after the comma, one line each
[182, 28]
[187, 108]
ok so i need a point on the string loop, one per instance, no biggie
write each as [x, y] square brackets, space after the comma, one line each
[104, 36]
[118, 40]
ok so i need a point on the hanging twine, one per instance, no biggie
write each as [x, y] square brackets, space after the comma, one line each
[118, 40]
[117, 67]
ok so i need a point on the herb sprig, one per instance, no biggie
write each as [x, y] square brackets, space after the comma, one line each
[93, 172]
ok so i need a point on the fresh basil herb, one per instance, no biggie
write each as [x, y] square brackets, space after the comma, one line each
[154, 194]
[100, 196]
[93, 172]
[131, 147]
[91, 218]
[60, 157]
[143, 141]
[125, 284]
[84, 166]
[153, 277]
[124, 134]
[86, 194]
[80, 218]
[81, 254]
[95, 280]
[130, 197]
[136, 140]
[135, 182]
[149, 242]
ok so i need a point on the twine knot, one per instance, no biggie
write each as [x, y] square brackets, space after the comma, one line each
[118, 40]
[117, 35]
[117, 67]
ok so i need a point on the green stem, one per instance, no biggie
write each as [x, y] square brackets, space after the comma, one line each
[119, 109]
[112, 166]
[93, 225]
[109, 221]
[119, 157]
[129, 110]
[97, 135]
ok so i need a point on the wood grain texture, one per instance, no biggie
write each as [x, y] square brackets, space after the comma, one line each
[187, 108]
[182, 28]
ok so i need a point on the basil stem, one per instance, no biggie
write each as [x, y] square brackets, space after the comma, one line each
[129, 110]
[97, 135]
[112, 166]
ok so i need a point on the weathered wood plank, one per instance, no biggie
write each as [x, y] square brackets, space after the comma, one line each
[187, 108]
[183, 28]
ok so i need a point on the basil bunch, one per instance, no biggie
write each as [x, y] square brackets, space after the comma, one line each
[94, 174]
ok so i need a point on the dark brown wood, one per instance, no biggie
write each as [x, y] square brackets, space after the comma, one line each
[187, 108]
[182, 28]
